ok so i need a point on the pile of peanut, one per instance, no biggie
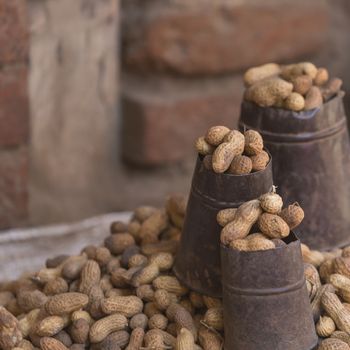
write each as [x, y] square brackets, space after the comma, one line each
[230, 151]
[120, 295]
[296, 87]
[273, 222]
[123, 294]
[328, 282]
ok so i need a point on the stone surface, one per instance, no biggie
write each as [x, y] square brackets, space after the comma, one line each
[13, 187]
[14, 111]
[13, 31]
[162, 119]
[220, 36]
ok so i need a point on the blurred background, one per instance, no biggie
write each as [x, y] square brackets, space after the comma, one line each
[101, 100]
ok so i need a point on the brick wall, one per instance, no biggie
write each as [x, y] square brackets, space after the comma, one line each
[181, 71]
[14, 113]
[183, 64]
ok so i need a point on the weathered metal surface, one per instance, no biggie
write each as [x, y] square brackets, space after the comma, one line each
[198, 259]
[311, 165]
[266, 300]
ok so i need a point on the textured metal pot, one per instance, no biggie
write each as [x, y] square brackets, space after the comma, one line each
[311, 165]
[197, 262]
[266, 300]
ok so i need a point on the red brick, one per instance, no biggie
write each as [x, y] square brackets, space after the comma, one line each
[14, 37]
[13, 187]
[14, 111]
[218, 37]
[162, 121]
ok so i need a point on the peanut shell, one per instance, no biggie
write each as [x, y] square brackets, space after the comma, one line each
[216, 134]
[260, 161]
[255, 74]
[273, 226]
[223, 156]
[271, 203]
[293, 215]
[253, 143]
[240, 165]
[203, 147]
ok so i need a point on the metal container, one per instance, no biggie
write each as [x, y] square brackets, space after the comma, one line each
[266, 300]
[197, 263]
[311, 165]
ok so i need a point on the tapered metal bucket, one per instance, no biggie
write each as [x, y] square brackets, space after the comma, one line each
[311, 165]
[266, 300]
[197, 262]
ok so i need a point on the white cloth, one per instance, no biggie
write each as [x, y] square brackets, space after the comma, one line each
[25, 250]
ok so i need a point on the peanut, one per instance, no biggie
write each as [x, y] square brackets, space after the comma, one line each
[118, 242]
[294, 102]
[203, 147]
[214, 318]
[158, 321]
[321, 77]
[10, 334]
[326, 269]
[47, 343]
[333, 344]
[138, 321]
[336, 311]
[313, 98]
[316, 302]
[90, 276]
[216, 134]
[136, 339]
[342, 284]
[246, 216]
[341, 265]
[293, 215]
[273, 226]
[223, 156]
[266, 93]
[51, 325]
[105, 326]
[185, 340]
[154, 340]
[331, 88]
[209, 340]
[66, 303]
[301, 84]
[225, 216]
[152, 227]
[255, 74]
[170, 284]
[325, 326]
[182, 318]
[240, 165]
[116, 340]
[259, 243]
[127, 306]
[260, 161]
[271, 203]
[312, 256]
[253, 143]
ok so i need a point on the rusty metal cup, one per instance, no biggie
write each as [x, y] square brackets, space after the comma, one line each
[266, 300]
[197, 262]
[311, 165]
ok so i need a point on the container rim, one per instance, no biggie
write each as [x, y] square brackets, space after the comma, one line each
[200, 157]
